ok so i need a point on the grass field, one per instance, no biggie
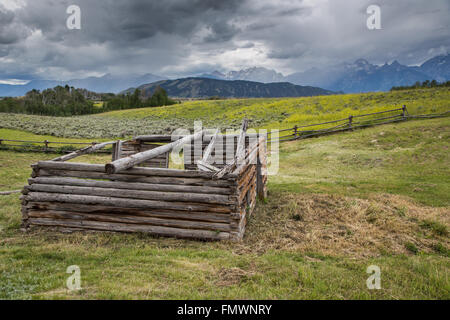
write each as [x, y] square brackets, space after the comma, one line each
[339, 204]
[262, 113]
[13, 134]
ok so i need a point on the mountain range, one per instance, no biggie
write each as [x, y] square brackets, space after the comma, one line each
[358, 76]
[257, 74]
[206, 87]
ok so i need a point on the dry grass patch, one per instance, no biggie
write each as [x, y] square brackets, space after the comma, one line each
[344, 226]
[233, 276]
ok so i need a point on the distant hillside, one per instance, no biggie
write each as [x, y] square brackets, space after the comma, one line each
[204, 88]
[107, 83]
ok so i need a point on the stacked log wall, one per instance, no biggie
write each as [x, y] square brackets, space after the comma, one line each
[162, 202]
[228, 151]
[131, 147]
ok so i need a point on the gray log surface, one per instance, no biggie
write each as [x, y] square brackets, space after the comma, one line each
[135, 159]
[83, 151]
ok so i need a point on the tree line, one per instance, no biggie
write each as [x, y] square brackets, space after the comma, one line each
[137, 100]
[423, 85]
[69, 101]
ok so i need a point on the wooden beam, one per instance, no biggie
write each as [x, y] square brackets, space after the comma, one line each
[131, 161]
[60, 215]
[124, 227]
[171, 138]
[100, 209]
[125, 177]
[130, 194]
[209, 149]
[5, 193]
[129, 185]
[83, 151]
[125, 202]
[138, 171]
[204, 164]
[240, 152]
[117, 150]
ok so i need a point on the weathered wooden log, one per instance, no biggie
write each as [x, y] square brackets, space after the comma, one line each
[129, 185]
[159, 213]
[203, 166]
[121, 227]
[158, 138]
[171, 138]
[209, 149]
[240, 150]
[250, 183]
[250, 158]
[135, 178]
[185, 224]
[131, 194]
[157, 172]
[24, 212]
[239, 225]
[131, 161]
[238, 165]
[261, 174]
[134, 147]
[127, 203]
[5, 193]
[84, 151]
[243, 181]
[117, 150]
[253, 202]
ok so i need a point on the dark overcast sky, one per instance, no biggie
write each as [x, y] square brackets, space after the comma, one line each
[176, 37]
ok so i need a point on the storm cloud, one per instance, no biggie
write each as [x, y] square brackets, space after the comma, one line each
[179, 37]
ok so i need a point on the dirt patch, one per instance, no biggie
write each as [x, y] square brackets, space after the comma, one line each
[337, 225]
[232, 276]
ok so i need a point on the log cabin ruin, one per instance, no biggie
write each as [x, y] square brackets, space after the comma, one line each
[212, 198]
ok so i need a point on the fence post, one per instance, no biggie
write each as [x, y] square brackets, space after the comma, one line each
[350, 121]
[295, 131]
[404, 112]
[46, 145]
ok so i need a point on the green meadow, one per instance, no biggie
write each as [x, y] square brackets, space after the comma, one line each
[338, 204]
[262, 113]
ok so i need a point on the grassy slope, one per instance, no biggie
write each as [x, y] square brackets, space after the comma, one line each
[285, 113]
[409, 159]
[298, 245]
[263, 113]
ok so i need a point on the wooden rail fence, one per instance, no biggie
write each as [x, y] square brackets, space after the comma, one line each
[297, 132]
[350, 123]
[44, 146]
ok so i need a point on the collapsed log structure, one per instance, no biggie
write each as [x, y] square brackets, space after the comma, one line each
[136, 193]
